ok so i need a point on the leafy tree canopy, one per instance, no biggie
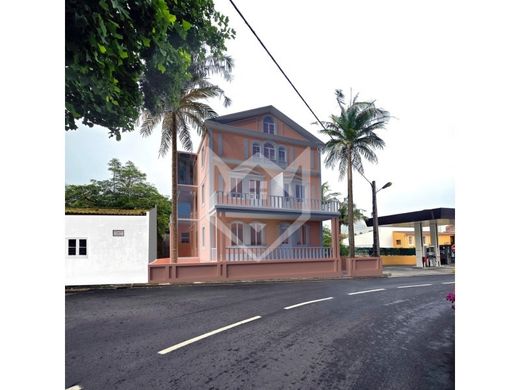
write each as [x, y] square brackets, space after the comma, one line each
[122, 56]
[126, 189]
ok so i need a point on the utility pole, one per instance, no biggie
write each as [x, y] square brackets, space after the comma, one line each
[376, 222]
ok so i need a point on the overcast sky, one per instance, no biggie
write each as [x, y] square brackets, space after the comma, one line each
[391, 52]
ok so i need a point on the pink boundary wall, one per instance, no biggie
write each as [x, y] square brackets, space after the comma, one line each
[264, 270]
[362, 266]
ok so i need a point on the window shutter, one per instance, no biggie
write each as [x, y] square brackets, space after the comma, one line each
[246, 149]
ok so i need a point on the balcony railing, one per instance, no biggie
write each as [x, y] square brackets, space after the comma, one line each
[273, 202]
[265, 254]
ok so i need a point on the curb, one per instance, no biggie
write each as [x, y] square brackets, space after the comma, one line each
[78, 289]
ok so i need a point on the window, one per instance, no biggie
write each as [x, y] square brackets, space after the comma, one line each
[410, 240]
[256, 150]
[281, 154]
[286, 190]
[236, 187]
[302, 235]
[77, 247]
[269, 126]
[118, 233]
[203, 238]
[397, 242]
[256, 230]
[283, 230]
[237, 233]
[202, 153]
[269, 151]
[254, 189]
[185, 237]
[300, 191]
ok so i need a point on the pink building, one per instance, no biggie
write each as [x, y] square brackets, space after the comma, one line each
[252, 193]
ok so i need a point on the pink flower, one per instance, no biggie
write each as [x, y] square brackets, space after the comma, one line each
[451, 297]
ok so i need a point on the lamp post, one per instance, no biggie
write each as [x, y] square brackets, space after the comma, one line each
[374, 215]
[375, 247]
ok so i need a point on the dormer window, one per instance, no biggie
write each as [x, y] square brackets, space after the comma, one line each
[269, 126]
[269, 151]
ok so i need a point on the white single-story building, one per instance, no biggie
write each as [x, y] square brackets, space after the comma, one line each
[109, 246]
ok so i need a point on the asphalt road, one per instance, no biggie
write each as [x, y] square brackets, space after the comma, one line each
[396, 338]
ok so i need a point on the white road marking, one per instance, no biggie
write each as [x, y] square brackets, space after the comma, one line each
[306, 303]
[190, 341]
[396, 302]
[366, 291]
[448, 282]
[75, 387]
[416, 285]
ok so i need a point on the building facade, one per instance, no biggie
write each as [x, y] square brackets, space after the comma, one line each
[252, 192]
[109, 246]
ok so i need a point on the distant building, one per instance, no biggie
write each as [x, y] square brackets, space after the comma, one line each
[109, 246]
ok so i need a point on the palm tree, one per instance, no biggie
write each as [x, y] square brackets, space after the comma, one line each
[180, 116]
[343, 214]
[353, 137]
[326, 195]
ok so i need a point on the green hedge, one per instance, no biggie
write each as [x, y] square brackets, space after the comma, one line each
[387, 251]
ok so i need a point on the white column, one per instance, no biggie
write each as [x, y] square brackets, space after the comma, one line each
[418, 244]
[434, 235]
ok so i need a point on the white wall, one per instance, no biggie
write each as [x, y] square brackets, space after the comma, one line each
[111, 260]
[366, 238]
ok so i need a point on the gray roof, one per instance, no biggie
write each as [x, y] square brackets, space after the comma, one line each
[224, 119]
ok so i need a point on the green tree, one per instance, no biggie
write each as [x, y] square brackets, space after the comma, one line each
[125, 189]
[186, 114]
[352, 138]
[121, 56]
[326, 194]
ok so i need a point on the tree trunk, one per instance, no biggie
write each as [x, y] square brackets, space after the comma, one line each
[173, 220]
[350, 209]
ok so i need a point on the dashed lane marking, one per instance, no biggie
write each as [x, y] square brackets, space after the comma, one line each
[367, 291]
[396, 302]
[448, 282]
[416, 285]
[75, 387]
[195, 339]
[306, 303]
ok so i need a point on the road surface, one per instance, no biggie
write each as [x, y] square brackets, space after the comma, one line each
[395, 333]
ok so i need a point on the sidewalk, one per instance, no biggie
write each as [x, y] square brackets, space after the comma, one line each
[404, 271]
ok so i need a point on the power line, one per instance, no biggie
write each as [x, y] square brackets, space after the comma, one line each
[279, 67]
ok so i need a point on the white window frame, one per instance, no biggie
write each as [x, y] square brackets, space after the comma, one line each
[76, 254]
[235, 235]
[253, 229]
[301, 189]
[257, 153]
[302, 238]
[284, 150]
[236, 185]
[270, 126]
[270, 148]
[283, 228]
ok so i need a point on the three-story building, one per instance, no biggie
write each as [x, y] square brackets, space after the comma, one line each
[252, 192]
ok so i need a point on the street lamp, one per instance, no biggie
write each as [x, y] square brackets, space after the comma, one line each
[374, 213]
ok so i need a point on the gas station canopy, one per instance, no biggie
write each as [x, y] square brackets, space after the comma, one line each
[443, 216]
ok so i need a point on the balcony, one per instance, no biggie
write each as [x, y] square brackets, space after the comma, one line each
[246, 200]
[266, 254]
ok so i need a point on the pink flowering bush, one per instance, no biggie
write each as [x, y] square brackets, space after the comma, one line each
[451, 297]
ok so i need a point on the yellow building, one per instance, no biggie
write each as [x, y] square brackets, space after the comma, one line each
[404, 239]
